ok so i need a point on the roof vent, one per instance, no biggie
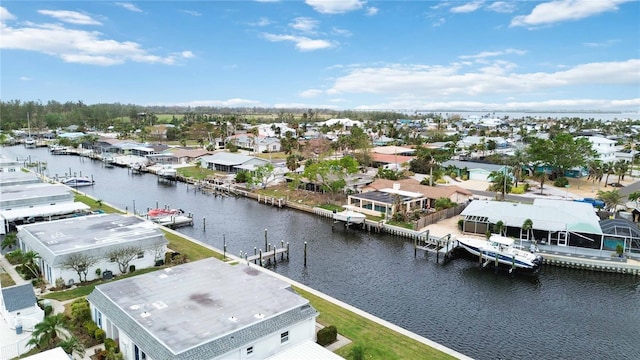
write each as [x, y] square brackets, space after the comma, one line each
[145, 314]
[259, 316]
[233, 319]
[134, 307]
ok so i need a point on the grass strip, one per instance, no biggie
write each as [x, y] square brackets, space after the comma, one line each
[6, 280]
[374, 340]
[192, 250]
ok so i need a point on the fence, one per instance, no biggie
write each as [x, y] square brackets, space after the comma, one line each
[438, 216]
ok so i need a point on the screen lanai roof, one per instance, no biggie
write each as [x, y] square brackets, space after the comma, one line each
[33, 191]
[549, 215]
[43, 210]
[200, 310]
[91, 234]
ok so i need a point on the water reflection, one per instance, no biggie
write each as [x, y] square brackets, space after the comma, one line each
[562, 313]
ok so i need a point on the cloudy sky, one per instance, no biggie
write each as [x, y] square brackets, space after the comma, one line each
[348, 54]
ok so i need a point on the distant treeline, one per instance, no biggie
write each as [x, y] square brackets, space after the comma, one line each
[54, 114]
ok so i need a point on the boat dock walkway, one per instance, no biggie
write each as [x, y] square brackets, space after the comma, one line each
[271, 255]
[441, 246]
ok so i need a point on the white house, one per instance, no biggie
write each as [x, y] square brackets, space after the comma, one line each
[19, 307]
[606, 148]
[94, 236]
[206, 309]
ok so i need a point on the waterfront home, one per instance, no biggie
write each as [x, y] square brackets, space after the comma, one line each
[10, 166]
[554, 222]
[386, 201]
[28, 203]
[109, 240]
[18, 178]
[606, 148]
[19, 307]
[205, 309]
[231, 162]
[432, 193]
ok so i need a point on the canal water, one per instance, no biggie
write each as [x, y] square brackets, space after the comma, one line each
[559, 314]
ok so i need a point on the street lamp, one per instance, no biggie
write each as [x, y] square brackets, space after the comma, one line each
[566, 196]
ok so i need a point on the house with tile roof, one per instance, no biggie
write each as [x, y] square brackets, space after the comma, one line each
[205, 309]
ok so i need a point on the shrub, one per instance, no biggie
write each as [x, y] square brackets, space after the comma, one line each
[561, 182]
[518, 190]
[453, 175]
[80, 312]
[460, 224]
[110, 344]
[99, 334]
[327, 335]
[91, 327]
[48, 309]
[14, 257]
[132, 268]
[60, 283]
[464, 177]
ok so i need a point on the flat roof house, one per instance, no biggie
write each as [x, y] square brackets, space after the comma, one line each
[18, 178]
[94, 236]
[206, 309]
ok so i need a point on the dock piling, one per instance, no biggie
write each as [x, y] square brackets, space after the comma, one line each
[305, 253]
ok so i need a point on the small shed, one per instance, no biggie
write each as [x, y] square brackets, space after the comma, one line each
[19, 307]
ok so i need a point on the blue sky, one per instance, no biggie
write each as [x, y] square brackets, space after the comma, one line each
[349, 54]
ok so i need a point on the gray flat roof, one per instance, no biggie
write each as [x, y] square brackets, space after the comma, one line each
[92, 234]
[200, 309]
[43, 210]
[11, 196]
[18, 178]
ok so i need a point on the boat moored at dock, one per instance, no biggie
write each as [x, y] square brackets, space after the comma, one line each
[500, 250]
[76, 181]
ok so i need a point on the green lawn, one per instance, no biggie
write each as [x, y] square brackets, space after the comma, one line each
[95, 204]
[378, 342]
[195, 172]
[6, 280]
[192, 250]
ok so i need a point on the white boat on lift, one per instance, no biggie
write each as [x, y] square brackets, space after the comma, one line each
[76, 181]
[349, 216]
[500, 250]
[167, 172]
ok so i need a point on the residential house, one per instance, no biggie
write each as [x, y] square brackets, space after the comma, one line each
[476, 170]
[205, 309]
[554, 222]
[387, 201]
[18, 178]
[92, 236]
[606, 148]
[28, 203]
[10, 166]
[231, 162]
[19, 307]
[432, 193]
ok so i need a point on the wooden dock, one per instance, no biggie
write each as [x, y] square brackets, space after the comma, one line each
[268, 257]
[441, 246]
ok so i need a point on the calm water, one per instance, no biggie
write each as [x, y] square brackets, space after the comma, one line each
[560, 314]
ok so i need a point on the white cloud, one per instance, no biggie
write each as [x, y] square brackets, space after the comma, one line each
[191, 12]
[468, 7]
[487, 54]
[261, 22]
[304, 24]
[371, 11]
[79, 46]
[565, 10]
[341, 32]
[71, 17]
[456, 80]
[5, 15]
[25, 78]
[335, 6]
[129, 6]
[302, 43]
[310, 93]
[502, 7]
[187, 54]
[606, 43]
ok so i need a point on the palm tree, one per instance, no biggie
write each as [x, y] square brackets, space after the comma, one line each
[71, 345]
[541, 177]
[46, 332]
[518, 162]
[29, 262]
[500, 182]
[499, 227]
[9, 241]
[527, 226]
[611, 199]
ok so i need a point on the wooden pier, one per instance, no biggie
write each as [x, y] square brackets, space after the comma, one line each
[271, 255]
[441, 246]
